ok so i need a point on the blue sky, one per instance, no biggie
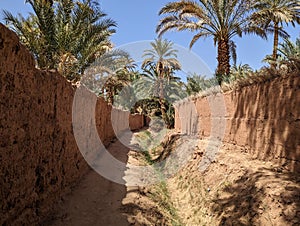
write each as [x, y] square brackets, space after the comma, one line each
[137, 20]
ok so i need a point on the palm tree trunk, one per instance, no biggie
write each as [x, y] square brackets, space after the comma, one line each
[161, 100]
[276, 37]
[163, 109]
[161, 91]
[223, 59]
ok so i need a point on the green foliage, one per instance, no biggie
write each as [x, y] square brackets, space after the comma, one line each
[290, 55]
[219, 19]
[288, 60]
[197, 83]
[240, 71]
[272, 14]
[153, 85]
[156, 87]
[244, 76]
[161, 196]
[111, 75]
[159, 193]
[164, 91]
[287, 63]
[66, 35]
[163, 55]
[158, 81]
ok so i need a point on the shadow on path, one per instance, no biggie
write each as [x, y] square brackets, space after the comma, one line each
[95, 200]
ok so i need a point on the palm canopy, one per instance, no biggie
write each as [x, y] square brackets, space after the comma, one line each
[110, 73]
[217, 18]
[66, 35]
[164, 91]
[289, 49]
[197, 83]
[290, 54]
[159, 66]
[151, 84]
[163, 55]
[272, 14]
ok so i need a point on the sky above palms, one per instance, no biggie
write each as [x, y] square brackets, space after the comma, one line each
[137, 20]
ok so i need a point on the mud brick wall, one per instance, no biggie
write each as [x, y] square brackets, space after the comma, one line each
[264, 118]
[39, 157]
[136, 121]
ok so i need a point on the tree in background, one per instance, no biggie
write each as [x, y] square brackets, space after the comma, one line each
[271, 14]
[160, 63]
[197, 83]
[290, 54]
[163, 55]
[240, 70]
[217, 18]
[110, 73]
[65, 35]
[152, 87]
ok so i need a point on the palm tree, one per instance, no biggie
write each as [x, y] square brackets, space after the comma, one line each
[197, 83]
[290, 54]
[163, 55]
[271, 14]
[217, 18]
[153, 87]
[162, 59]
[66, 35]
[241, 68]
[110, 73]
[289, 49]
[240, 71]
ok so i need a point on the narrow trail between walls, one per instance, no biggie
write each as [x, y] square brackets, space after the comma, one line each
[95, 200]
[236, 189]
[98, 201]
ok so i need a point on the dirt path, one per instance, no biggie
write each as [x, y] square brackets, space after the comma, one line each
[95, 200]
[236, 189]
[100, 202]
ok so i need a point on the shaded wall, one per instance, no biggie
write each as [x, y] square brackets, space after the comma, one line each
[264, 118]
[136, 120]
[39, 157]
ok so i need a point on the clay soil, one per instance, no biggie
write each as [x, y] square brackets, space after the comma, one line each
[235, 189]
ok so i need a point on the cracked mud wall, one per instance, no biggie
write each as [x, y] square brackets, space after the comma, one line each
[264, 118]
[39, 157]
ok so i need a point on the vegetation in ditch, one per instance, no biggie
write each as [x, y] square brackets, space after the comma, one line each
[152, 146]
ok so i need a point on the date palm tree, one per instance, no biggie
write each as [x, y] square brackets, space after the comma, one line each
[290, 49]
[272, 14]
[290, 54]
[219, 19]
[197, 83]
[163, 59]
[110, 73]
[152, 87]
[163, 55]
[67, 35]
